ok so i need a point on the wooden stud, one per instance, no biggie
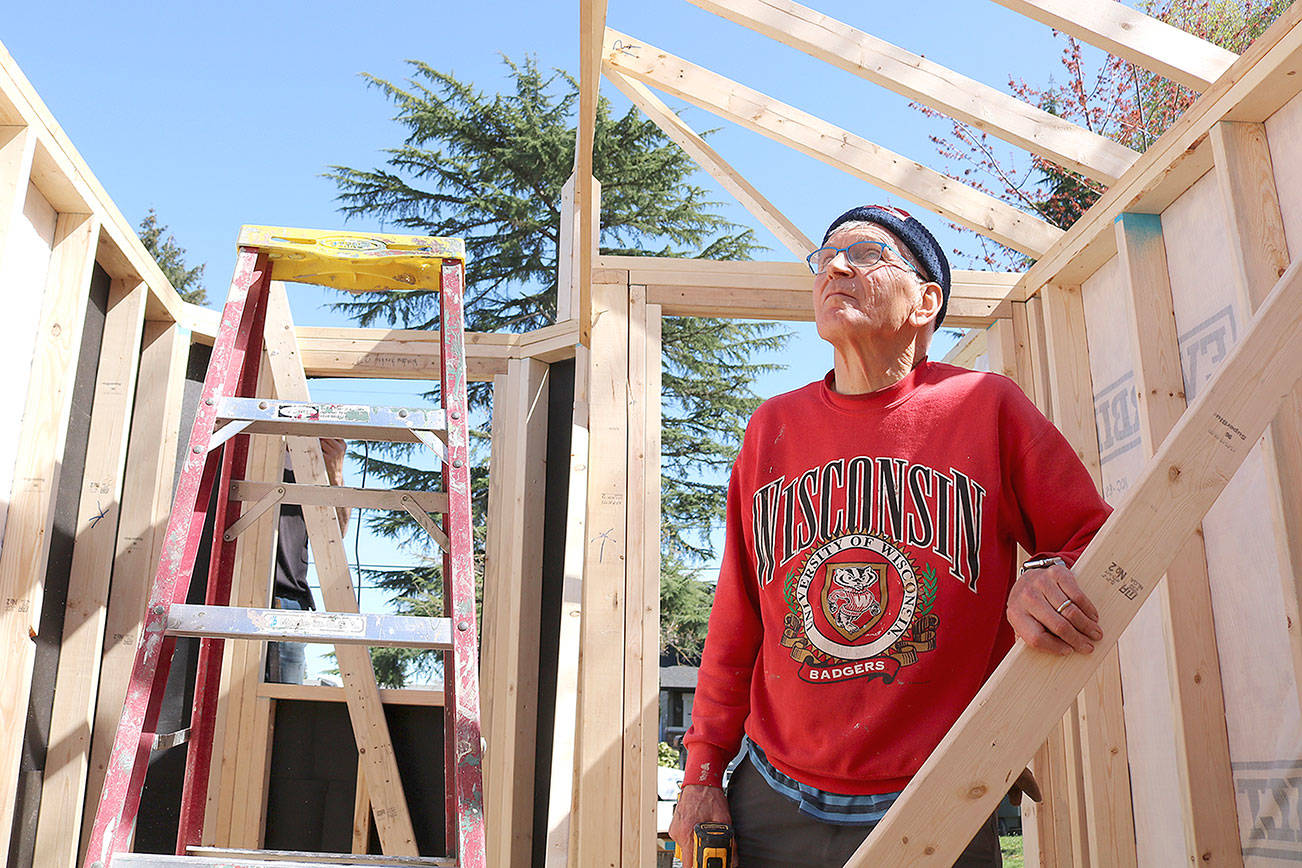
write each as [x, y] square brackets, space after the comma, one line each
[1077, 804]
[512, 583]
[496, 629]
[567, 264]
[25, 239]
[1109, 819]
[1038, 352]
[1030, 834]
[641, 603]
[592, 24]
[598, 759]
[821, 140]
[528, 510]
[1110, 830]
[1260, 254]
[361, 812]
[73, 714]
[635, 838]
[1071, 388]
[1056, 762]
[1148, 715]
[36, 479]
[142, 519]
[1134, 36]
[927, 82]
[569, 295]
[17, 144]
[1001, 350]
[237, 791]
[1023, 355]
[393, 822]
[1051, 818]
[565, 729]
[651, 560]
[649, 515]
[999, 729]
[1212, 834]
[708, 159]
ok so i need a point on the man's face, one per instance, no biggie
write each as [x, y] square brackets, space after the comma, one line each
[851, 304]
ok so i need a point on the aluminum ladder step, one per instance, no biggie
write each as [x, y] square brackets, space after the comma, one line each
[310, 419]
[291, 625]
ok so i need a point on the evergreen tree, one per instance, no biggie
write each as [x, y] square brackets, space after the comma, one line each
[490, 169]
[170, 256]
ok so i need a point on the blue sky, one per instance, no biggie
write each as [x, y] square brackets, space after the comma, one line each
[220, 114]
[223, 114]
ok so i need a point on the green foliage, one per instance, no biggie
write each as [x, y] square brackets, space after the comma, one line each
[666, 755]
[170, 256]
[684, 610]
[490, 169]
[789, 592]
[927, 595]
[1010, 848]
[1117, 99]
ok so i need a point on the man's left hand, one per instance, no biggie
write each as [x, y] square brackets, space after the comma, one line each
[334, 450]
[1049, 611]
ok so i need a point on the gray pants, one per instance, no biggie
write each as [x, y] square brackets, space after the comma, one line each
[772, 832]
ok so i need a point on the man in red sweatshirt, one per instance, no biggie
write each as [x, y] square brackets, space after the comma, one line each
[868, 585]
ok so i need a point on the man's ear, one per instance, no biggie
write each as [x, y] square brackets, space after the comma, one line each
[929, 305]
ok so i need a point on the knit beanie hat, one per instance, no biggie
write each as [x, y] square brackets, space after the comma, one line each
[913, 235]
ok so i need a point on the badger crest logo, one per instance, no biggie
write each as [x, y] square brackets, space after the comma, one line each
[847, 604]
[858, 608]
[854, 596]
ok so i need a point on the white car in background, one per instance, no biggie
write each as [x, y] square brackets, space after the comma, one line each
[669, 782]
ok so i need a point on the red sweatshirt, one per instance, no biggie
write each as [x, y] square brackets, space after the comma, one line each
[871, 545]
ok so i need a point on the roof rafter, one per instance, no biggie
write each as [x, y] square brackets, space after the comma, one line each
[817, 138]
[931, 84]
[592, 24]
[1134, 36]
[750, 198]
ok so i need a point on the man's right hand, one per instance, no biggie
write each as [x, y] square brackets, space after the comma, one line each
[697, 803]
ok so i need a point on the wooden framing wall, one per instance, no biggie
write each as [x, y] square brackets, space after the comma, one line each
[55, 223]
[40, 170]
[1179, 741]
[1121, 789]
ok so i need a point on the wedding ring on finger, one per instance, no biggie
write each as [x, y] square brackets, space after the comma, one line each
[1063, 605]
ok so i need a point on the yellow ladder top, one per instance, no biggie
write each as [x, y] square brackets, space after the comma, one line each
[354, 261]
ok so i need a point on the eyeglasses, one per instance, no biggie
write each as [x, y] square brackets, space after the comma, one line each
[861, 254]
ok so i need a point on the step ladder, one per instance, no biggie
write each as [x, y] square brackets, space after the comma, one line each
[256, 317]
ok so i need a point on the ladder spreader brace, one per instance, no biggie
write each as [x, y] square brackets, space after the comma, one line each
[229, 412]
